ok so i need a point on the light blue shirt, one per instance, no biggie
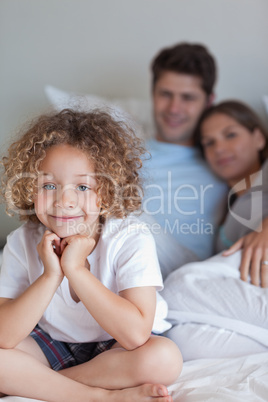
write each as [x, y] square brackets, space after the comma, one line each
[182, 199]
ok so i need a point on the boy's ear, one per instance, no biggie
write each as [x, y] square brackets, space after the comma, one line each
[260, 139]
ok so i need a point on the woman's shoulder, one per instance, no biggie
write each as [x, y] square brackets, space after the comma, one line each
[259, 180]
[265, 168]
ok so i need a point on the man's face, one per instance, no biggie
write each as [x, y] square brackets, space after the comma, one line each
[178, 101]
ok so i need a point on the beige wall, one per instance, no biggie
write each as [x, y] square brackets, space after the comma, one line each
[104, 47]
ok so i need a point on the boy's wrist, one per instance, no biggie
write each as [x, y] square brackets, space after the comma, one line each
[55, 278]
[74, 270]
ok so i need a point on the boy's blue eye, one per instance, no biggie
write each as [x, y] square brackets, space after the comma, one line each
[83, 188]
[49, 187]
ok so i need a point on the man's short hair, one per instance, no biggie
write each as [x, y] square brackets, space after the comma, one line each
[186, 58]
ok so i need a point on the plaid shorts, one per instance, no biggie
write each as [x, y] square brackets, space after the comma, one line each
[62, 355]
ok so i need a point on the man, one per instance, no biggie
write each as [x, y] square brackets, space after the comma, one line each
[183, 199]
[183, 81]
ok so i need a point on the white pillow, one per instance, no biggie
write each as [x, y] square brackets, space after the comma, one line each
[129, 108]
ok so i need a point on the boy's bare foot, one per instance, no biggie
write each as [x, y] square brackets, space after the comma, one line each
[142, 393]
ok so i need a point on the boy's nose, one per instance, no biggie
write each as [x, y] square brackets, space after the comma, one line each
[67, 198]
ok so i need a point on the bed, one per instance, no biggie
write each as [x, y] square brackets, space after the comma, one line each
[204, 377]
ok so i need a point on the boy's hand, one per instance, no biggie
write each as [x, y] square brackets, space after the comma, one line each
[75, 250]
[49, 250]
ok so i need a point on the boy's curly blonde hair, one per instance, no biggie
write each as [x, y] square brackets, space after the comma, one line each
[111, 145]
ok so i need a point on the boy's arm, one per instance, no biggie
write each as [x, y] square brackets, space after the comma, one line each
[19, 316]
[127, 317]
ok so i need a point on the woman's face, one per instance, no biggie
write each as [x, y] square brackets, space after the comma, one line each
[231, 150]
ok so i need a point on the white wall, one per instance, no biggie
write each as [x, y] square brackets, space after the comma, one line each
[105, 47]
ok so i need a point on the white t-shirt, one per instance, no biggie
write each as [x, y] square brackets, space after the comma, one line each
[125, 257]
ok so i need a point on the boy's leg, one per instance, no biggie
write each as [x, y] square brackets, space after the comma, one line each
[29, 346]
[157, 361]
[21, 374]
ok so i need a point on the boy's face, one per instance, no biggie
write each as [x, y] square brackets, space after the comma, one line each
[178, 101]
[66, 201]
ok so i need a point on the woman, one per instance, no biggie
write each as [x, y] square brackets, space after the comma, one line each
[234, 142]
[214, 313]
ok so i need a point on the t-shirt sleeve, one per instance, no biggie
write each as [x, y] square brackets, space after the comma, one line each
[13, 275]
[136, 261]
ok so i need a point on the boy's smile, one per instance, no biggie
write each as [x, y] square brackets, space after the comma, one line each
[66, 218]
[66, 201]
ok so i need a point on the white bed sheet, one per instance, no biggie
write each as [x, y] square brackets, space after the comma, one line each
[238, 379]
[234, 379]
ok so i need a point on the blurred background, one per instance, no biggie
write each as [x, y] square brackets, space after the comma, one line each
[104, 48]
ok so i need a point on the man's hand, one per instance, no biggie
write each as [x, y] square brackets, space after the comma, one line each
[254, 260]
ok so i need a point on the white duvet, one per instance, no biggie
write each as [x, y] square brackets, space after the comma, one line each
[214, 313]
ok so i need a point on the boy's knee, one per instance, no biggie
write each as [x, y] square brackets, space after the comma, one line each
[3, 362]
[169, 358]
[161, 359]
